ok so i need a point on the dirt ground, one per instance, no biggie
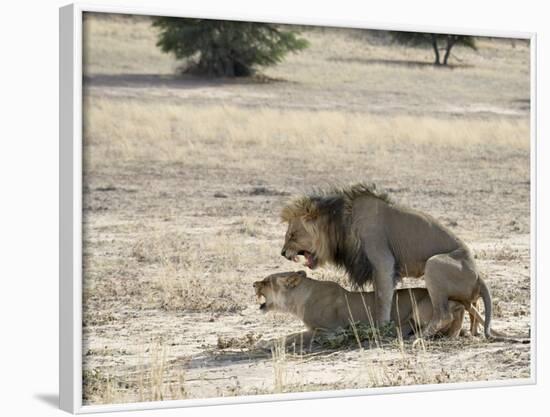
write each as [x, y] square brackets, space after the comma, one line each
[184, 179]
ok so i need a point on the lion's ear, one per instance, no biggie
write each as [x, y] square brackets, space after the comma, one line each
[302, 273]
[293, 280]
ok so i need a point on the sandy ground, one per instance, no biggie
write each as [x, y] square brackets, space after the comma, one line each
[184, 179]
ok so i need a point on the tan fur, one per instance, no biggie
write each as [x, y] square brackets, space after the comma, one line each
[325, 305]
[377, 241]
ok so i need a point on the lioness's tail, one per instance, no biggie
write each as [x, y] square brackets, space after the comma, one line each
[488, 304]
[498, 336]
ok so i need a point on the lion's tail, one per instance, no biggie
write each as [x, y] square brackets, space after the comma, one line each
[488, 304]
[489, 333]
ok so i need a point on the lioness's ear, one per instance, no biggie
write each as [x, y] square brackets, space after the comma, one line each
[294, 279]
[302, 273]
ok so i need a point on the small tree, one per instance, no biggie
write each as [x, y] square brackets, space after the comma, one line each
[434, 40]
[226, 48]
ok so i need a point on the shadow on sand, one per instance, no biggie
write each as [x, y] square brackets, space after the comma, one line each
[182, 81]
[398, 62]
[220, 358]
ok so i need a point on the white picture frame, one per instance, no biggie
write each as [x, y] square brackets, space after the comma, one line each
[70, 203]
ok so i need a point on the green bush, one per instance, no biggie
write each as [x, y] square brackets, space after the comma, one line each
[226, 48]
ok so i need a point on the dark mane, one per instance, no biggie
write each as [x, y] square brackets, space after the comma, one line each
[350, 193]
[346, 248]
[356, 264]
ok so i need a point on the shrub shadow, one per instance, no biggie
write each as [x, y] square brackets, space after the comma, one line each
[180, 81]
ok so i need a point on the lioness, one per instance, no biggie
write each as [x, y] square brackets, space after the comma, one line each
[361, 230]
[325, 305]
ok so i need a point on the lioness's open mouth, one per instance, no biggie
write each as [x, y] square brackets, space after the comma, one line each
[311, 260]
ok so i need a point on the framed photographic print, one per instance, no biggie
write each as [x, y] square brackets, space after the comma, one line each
[256, 210]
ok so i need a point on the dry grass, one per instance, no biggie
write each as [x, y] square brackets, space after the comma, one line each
[183, 273]
[279, 363]
[122, 44]
[152, 380]
[136, 131]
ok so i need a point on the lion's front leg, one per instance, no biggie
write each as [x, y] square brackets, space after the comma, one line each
[383, 288]
[384, 265]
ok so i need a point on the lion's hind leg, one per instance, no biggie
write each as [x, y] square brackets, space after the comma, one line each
[448, 276]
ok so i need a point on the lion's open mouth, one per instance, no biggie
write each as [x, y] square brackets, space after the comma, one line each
[311, 260]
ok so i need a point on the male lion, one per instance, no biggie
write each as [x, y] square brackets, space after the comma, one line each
[376, 240]
[325, 305]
